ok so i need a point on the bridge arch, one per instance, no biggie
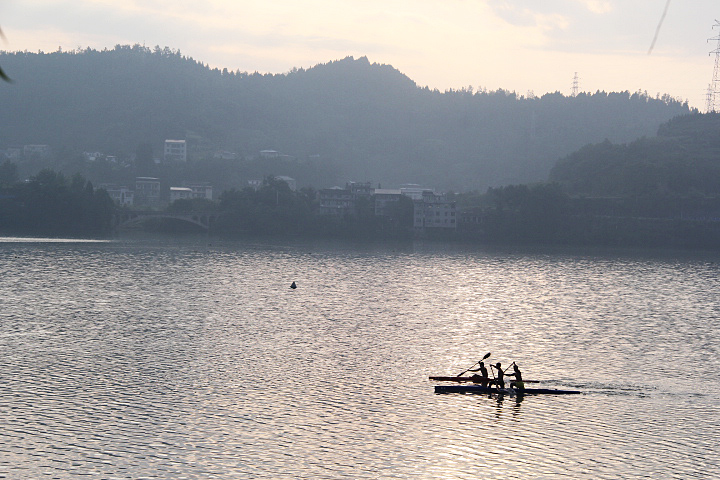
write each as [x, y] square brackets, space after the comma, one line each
[128, 219]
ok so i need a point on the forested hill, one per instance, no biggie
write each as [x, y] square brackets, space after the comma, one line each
[369, 122]
[683, 160]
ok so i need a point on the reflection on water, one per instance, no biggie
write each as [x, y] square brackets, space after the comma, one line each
[48, 240]
[158, 359]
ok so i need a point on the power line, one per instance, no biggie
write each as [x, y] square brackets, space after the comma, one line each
[657, 30]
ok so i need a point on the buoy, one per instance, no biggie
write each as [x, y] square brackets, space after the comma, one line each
[292, 285]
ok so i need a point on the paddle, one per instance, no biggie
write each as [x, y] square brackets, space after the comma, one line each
[511, 383]
[508, 368]
[465, 371]
[492, 370]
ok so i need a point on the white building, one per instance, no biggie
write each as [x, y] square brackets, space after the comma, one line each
[335, 201]
[414, 191]
[92, 156]
[225, 155]
[176, 150]
[13, 153]
[342, 201]
[40, 151]
[269, 154]
[121, 195]
[180, 193]
[434, 211]
[201, 190]
[147, 190]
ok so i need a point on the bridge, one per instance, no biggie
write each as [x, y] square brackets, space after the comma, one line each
[134, 218]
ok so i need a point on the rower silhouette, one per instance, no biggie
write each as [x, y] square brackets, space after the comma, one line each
[500, 380]
[483, 377]
[293, 286]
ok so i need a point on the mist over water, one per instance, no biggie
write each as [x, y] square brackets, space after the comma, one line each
[152, 358]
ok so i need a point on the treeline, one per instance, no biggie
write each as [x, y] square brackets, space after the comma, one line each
[683, 160]
[222, 174]
[655, 191]
[660, 191]
[539, 214]
[544, 214]
[51, 204]
[274, 209]
[359, 120]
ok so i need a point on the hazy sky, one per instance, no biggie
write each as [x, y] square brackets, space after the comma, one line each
[520, 45]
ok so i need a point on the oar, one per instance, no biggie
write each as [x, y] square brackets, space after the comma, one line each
[524, 381]
[465, 371]
[508, 368]
[492, 370]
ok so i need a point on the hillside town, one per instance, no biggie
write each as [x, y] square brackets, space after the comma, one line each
[267, 192]
[432, 210]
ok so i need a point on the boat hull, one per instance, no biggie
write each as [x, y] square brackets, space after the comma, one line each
[507, 391]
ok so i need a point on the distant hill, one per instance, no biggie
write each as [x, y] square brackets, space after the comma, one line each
[682, 160]
[367, 122]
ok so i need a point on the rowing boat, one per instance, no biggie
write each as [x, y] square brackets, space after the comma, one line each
[474, 379]
[504, 391]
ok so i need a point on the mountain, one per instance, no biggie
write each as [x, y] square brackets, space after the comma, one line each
[683, 160]
[365, 121]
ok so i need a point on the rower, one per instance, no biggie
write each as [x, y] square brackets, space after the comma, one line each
[483, 377]
[499, 380]
[518, 382]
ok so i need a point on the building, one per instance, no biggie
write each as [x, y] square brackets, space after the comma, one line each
[291, 182]
[340, 201]
[225, 155]
[121, 195]
[335, 201]
[434, 211]
[39, 151]
[360, 189]
[180, 193]
[473, 220]
[414, 191]
[201, 190]
[13, 153]
[267, 154]
[175, 150]
[147, 191]
[258, 184]
[92, 156]
[385, 201]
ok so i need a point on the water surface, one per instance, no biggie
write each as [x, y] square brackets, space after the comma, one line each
[152, 358]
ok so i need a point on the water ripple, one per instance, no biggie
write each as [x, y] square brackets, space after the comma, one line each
[145, 360]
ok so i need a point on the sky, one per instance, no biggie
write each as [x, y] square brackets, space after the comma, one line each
[526, 46]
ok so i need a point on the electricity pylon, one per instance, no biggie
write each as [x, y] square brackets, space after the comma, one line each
[714, 88]
[576, 85]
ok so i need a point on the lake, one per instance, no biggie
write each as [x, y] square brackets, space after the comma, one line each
[192, 358]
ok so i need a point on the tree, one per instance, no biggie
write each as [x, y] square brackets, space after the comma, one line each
[347, 119]
[49, 204]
